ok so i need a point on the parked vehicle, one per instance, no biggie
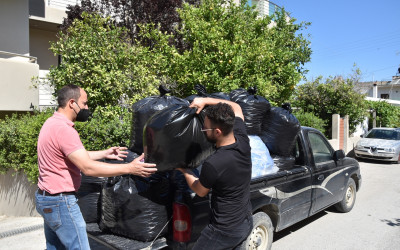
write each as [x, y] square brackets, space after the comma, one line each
[318, 178]
[380, 144]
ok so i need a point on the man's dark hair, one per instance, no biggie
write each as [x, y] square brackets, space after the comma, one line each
[66, 93]
[221, 116]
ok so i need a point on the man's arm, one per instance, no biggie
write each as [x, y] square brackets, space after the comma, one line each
[201, 102]
[193, 182]
[88, 166]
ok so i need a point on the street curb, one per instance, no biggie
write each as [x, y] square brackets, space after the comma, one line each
[20, 231]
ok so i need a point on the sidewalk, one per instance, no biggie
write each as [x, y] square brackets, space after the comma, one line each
[21, 233]
[26, 233]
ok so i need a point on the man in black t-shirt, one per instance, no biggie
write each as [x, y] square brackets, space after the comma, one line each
[227, 172]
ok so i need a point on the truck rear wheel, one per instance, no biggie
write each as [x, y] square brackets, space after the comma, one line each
[347, 203]
[261, 235]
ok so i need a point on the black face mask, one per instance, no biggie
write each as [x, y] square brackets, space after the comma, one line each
[83, 114]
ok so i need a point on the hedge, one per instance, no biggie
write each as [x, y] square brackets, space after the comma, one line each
[108, 127]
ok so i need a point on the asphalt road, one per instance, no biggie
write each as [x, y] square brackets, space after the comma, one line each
[374, 222]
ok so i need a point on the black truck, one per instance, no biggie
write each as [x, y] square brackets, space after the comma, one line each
[318, 177]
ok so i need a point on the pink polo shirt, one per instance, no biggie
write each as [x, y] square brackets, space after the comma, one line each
[57, 139]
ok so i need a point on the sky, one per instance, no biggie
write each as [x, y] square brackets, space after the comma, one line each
[348, 32]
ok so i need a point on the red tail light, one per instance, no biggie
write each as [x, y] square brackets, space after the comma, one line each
[182, 223]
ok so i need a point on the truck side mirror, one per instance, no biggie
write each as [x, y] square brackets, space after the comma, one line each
[338, 155]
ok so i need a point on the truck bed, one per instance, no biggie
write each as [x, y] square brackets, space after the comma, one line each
[112, 241]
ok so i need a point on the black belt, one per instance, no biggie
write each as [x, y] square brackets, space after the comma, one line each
[44, 193]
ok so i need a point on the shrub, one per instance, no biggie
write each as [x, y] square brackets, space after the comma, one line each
[108, 127]
[18, 142]
[310, 120]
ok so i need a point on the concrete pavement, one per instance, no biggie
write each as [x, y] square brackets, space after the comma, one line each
[21, 233]
[26, 233]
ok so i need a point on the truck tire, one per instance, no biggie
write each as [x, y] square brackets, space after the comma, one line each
[261, 235]
[349, 198]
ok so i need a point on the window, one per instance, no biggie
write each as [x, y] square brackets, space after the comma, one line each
[385, 96]
[383, 134]
[299, 153]
[320, 150]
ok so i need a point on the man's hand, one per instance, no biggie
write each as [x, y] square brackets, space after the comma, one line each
[198, 103]
[201, 102]
[116, 153]
[139, 168]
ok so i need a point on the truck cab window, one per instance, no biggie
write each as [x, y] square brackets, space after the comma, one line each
[320, 150]
[299, 152]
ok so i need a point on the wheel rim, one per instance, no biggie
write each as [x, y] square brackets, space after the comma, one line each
[350, 196]
[258, 238]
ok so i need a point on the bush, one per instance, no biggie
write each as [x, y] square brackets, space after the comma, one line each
[310, 120]
[333, 95]
[109, 126]
[19, 133]
[18, 142]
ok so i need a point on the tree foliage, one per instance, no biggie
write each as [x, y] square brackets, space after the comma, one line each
[232, 47]
[216, 43]
[310, 120]
[333, 95]
[99, 57]
[387, 115]
[131, 14]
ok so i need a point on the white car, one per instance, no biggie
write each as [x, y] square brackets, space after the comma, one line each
[380, 144]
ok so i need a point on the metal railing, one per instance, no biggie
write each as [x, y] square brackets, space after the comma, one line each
[62, 3]
[273, 7]
[32, 59]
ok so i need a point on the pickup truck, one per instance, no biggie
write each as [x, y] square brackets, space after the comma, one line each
[319, 177]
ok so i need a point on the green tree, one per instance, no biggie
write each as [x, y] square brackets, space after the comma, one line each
[99, 57]
[132, 14]
[334, 95]
[387, 115]
[231, 47]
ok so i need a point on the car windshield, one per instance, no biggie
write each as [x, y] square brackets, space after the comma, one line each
[384, 134]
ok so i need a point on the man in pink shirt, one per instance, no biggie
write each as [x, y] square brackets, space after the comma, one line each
[61, 159]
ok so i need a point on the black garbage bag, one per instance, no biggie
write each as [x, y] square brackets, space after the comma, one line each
[202, 92]
[136, 207]
[89, 197]
[173, 138]
[89, 193]
[254, 108]
[284, 162]
[143, 110]
[279, 131]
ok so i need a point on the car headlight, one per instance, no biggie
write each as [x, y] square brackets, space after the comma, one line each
[390, 150]
[358, 146]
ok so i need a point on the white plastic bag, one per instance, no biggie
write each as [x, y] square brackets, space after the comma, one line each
[260, 158]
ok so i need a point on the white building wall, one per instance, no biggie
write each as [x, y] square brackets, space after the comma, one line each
[262, 7]
[17, 92]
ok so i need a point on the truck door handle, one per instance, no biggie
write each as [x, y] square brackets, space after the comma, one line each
[321, 177]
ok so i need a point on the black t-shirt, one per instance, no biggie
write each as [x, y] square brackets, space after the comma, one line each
[228, 173]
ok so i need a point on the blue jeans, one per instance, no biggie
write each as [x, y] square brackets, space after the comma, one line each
[64, 226]
[212, 238]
